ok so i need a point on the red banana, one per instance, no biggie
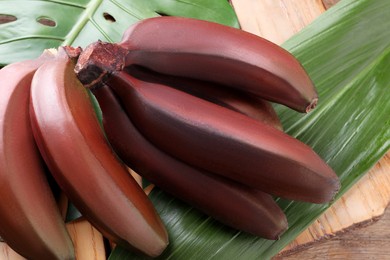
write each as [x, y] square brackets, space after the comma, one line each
[241, 102]
[234, 204]
[207, 51]
[30, 221]
[222, 141]
[73, 145]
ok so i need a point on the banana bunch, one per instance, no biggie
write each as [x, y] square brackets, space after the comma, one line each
[48, 123]
[185, 104]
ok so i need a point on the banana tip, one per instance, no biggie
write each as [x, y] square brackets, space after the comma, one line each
[279, 232]
[312, 105]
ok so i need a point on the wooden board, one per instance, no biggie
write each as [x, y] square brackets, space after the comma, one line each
[367, 242]
[277, 20]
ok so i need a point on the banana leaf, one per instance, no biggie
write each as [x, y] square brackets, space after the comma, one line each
[28, 27]
[346, 51]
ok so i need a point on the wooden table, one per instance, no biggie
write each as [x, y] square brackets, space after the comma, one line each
[369, 242]
[348, 230]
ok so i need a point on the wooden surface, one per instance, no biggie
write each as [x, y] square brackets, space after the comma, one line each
[369, 242]
[277, 20]
[348, 230]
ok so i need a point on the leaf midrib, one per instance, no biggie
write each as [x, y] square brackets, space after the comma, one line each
[90, 9]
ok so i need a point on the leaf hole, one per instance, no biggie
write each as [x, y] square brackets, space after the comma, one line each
[6, 18]
[46, 21]
[162, 14]
[109, 17]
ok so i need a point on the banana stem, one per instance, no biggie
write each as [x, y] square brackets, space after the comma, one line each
[98, 61]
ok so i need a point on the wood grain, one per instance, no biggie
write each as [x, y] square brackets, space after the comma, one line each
[277, 20]
[88, 242]
[368, 242]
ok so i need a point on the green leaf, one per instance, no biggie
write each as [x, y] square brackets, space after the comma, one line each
[346, 51]
[80, 22]
[201, 9]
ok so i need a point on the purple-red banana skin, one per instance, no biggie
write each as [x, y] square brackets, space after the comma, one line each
[30, 221]
[234, 204]
[222, 141]
[241, 102]
[72, 143]
[209, 51]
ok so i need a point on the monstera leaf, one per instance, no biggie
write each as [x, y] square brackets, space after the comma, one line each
[29, 27]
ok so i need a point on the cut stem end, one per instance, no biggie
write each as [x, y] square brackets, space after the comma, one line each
[98, 61]
[312, 105]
